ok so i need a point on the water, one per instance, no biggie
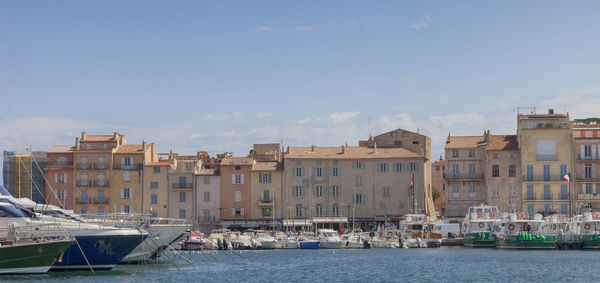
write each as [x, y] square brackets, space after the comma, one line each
[381, 265]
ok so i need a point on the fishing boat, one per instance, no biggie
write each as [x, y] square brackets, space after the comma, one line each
[354, 240]
[265, 239]
[520, 232]
[27, 249]
[588, 230]
[417, 230]
[477, 226]
[329, 239]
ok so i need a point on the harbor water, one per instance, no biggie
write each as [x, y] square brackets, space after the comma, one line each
[380, 265]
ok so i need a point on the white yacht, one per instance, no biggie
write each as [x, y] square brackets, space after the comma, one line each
[329, 239]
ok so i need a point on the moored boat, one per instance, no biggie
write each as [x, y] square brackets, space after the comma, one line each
[329, 239]
[519, 232]
[477, 226]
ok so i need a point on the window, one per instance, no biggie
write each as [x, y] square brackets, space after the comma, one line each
[335, 171]
[182, 196]
[84, 180]
[126, 193]
[512, 169]
[101, 179]
[156, 169]
[188, 166]
[547, 192]
[546, 150]
[564, 209]
[84, 196]
[437, 168]
[513, 191]
[237, 211]
[454, 153]
[101, 210]
[319, 191]
[471, 153]
[456, 207]
[386, 192]
[398, 167]
[495, 170]
[238, 179]
[472, 193]
[587, 171]
[126, 177]
[359, 199]
[265, 178]
[101, 162]
[496, 191]
[546, 172]
[266, 212]
[530, 210]
[238, 168]
[266, 195]
[564, 192]
[298, 191]
[335, 209]
[529, 172]
[381, 205]
[61, 160]
[495, 155]
[382, 167]
[530, 193]
[206, 196]
[414, 166]
[84, 162]
[335, 191]
[126, 208]
[319, 210]
[206, 215]
[587, 151]
[153, 199]
[358, 180]
[84, 210]
[546, 208]
[398, 143]
[299, 211]
[60, 178]
[588, 189]
[455, 171]
[182, 213]
[335, 162]
[127, 162]
[298, 172]
[238, 196]
[319, 172]
[563, 170]
[206, 180]
[358, 165]
[512, 155]
[101, 196]
[154, 185]
[455, 191]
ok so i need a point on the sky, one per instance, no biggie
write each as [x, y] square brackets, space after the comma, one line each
[222, 75]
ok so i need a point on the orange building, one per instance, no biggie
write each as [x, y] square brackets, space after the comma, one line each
[235, 191]
[59, 173]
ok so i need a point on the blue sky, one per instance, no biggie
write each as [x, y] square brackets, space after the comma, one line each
[222, 75]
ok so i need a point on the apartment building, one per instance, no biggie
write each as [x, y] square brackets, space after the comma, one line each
[181, 185]
[545, 142]
[266, 178]
[235, 192]
[587, 170]
[60, 174]
[23, 174]
[156, 188]
[502, 172]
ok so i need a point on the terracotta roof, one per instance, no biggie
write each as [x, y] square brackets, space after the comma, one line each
[465, 142]
[439, 162]
[61, 148]
[207, 171]
[237, 161]
[266, 166]
[502, 142]
[351, 152]
[586, 126]
[130, 148]
[98, 138]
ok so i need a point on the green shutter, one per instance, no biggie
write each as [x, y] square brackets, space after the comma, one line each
[269, 177]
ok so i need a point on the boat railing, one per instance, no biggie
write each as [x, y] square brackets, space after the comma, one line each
[36, 232]
[134, 219]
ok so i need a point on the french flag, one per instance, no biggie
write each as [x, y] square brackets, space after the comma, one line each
[567, 177]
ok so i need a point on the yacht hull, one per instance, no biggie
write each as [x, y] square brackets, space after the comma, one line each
[31, 258]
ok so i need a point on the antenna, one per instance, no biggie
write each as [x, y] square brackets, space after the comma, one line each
[369, 125]
[531, 110]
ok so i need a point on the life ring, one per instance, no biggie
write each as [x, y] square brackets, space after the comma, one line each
[479, 214]
[511, 227]
[481, 225]
[587, 226]
[595, 215]
[492, 215]
[553, 226]
[520, 215]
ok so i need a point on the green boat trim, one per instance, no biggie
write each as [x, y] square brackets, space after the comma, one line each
[527, 241]
[29, 258]
[479, 240]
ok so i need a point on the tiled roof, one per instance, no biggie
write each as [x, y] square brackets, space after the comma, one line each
[161, 163]
[351, 152]
[237, 161]
[502, 142]
[266, 166]
[61, 148]
[586, 126]
[130, 148]
[98, 138]
[207, 171]
[465, 142]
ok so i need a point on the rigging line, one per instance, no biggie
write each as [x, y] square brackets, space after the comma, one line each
[3, 93]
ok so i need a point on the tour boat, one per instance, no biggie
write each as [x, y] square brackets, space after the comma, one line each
[416, 230]
[477, 226]
[588, 230]
[519, 232]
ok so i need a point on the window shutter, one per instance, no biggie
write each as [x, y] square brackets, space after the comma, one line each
[303, 172]
[242, 178]
[122, 208]
[582, 170]
[122, 162]
[340, 171]
[66, 177]
[260, 178]
[593, 171]
[242, 211]
[364, 199]
[233, 212]
[55, 178]
[582, 151]
[353, 199]
[593, 151]
[269, 177]
[131, 193]
[594, 188]
[583, 189]
[233, 178]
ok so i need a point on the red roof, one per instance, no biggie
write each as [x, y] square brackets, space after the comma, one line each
[502, 142]
[98, 138]
[130, 148]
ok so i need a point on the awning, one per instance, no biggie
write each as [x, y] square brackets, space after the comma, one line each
[317, 220]
[297, 222]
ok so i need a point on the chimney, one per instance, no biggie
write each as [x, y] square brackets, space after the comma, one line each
[375, 147]
[312, 147]
[77, 143]
[143, 145]
[83, 135]
[486, 136]
[343, 149]
[551, 111]
[153, 158]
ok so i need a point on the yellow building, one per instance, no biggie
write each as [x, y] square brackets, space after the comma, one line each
[156, 188]
[546, 145]
[126, 179]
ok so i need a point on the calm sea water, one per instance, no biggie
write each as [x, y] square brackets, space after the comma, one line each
[447, 264]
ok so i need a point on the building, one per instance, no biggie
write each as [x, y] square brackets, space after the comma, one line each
[545, 142]
[23, 174]
[60, 175]
[438, 185]
[181, 185]
[127, 176]
[266, 179]
[332, 186]
[587, 171]
[502, 172]
[235, 192]
[208, 198]
[464, 175]
[156, 188]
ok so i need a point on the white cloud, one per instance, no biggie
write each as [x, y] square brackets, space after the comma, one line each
[583, 103]
[264, 115]
[303, 121]
[303, 28]
[263, 28]
[421, 23]
[235, 116]
[343, 117]
[282, 29]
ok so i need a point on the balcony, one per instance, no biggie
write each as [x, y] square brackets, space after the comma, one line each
[546, 157]
[462, 177]
[103, 200]
[543, 178]
[92, 166]
[89, 184]
[546, 196]
[265, 203]
[134, 166]
[588, 196]
[587, 157]
[588, 179]
[182, 186]
[83, 200]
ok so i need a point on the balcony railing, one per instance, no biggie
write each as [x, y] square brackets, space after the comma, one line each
[591, 179]
[588, 196]
[92, 184]
[83, 201]
[542, 178]
[185, 186]
[546, 157]
[134, 166]
[92, 166]
[468, 176]
[586, 157]
[546, 196]
[103, 200]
